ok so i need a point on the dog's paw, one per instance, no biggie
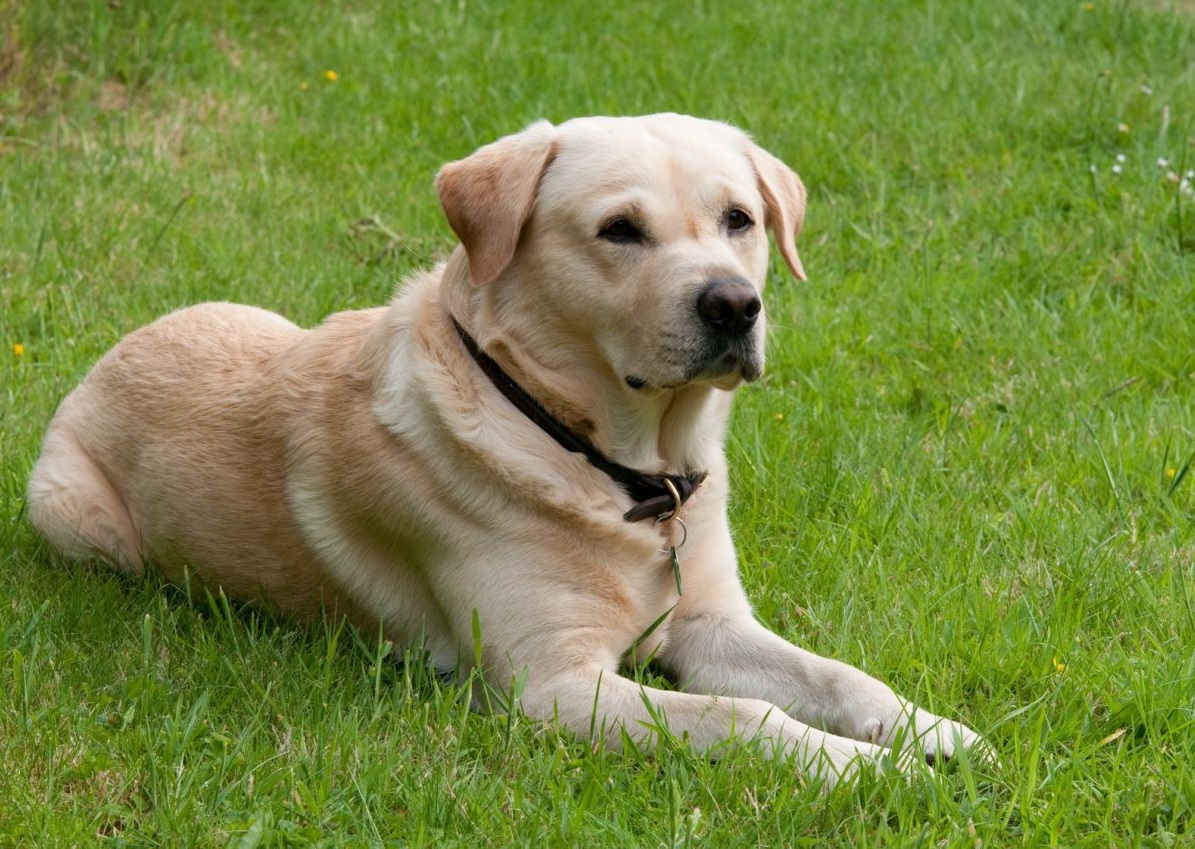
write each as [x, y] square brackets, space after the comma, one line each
[840, 759]
[915, 734]
[936, 739]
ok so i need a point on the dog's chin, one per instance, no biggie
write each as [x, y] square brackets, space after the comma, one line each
[726, 372]
[739, 372]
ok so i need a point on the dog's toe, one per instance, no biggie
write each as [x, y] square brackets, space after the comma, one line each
[944, 740]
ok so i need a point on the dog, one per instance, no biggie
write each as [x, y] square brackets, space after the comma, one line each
[517, 464]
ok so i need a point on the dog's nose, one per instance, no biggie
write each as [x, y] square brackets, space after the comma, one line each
[730, 305]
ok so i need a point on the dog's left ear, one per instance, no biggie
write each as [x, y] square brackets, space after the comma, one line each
[784, 194]
[489, 195]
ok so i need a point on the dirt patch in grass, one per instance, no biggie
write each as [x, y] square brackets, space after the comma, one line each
[1185, 7]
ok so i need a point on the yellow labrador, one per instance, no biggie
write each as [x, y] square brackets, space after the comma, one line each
[523, 439]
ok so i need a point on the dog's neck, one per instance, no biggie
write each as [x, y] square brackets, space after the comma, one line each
[678, 430]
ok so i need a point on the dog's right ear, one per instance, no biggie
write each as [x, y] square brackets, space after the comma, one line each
[489, 195]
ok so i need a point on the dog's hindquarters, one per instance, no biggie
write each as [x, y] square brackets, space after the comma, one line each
[74, 505]
[121, 453]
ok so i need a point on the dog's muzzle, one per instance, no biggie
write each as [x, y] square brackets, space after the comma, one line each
[728, 310]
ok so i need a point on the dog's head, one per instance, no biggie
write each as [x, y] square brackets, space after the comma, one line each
[639, 241]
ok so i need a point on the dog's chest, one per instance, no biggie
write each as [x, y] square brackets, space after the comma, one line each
[656, 589]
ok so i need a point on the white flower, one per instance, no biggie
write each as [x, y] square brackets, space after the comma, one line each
[1146, 90]
[1163, 162]
[1116, 169]
[1120, 157]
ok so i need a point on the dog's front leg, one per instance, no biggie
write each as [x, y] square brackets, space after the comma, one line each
[597, 703]
[715, 645]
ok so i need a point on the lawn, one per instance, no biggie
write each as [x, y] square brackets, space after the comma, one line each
[969, 469]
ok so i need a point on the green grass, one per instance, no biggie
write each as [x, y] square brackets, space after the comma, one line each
[969, 469]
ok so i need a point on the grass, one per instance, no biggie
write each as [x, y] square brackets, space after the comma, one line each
[968, 470]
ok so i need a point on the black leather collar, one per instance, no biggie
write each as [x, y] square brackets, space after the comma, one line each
[656, 496]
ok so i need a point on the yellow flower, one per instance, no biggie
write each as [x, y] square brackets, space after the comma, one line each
[18, 349]
[331, 76]
[1059, 666]
[1171, 472]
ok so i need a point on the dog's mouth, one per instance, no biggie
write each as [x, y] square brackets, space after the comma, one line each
[725, 366]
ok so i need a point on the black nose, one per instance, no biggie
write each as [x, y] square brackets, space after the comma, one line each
[730, 305]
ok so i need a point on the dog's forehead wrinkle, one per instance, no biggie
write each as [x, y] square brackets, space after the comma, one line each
[629, 204]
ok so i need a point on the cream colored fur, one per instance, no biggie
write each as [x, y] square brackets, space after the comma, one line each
[368, 468]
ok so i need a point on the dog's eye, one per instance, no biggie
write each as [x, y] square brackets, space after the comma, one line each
[737, 221]
[622, 231]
